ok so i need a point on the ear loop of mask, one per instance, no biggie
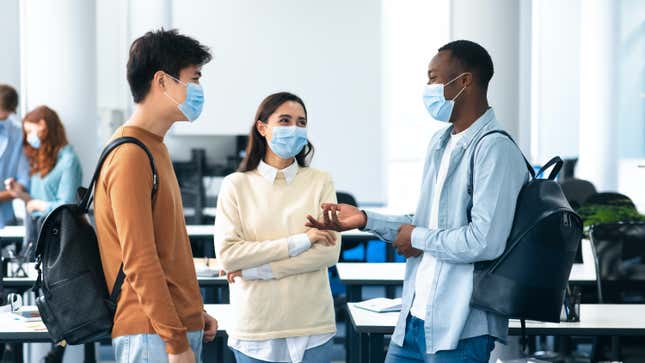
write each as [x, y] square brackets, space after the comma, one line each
[462, 90]
[166, 93]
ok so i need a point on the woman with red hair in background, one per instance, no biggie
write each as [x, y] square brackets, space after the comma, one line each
[54, 168]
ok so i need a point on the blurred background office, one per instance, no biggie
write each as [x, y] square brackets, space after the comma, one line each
[569, 81]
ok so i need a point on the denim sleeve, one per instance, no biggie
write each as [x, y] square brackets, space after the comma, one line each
[385, 226]
[22, 173]
[498, 177]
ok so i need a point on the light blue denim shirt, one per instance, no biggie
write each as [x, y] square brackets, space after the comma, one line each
[13, 162]
[59, 186]
[499, 174]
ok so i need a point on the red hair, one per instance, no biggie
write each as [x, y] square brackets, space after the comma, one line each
[43, 159]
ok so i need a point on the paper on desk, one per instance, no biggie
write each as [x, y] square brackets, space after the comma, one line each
[381, 305]
[210, 270]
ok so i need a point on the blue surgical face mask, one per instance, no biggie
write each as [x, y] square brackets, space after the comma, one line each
[194, 102]
[433, 98]
[33, 140]
[288, 141]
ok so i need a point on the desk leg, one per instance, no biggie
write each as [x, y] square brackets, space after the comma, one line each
[376, 348]
[351, 339]
[389, 252]
[362, 347]
[615, 348]
[390, 291]
[20, 355]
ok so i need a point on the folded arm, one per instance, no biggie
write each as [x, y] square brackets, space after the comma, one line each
[315, 258]
[233, 251]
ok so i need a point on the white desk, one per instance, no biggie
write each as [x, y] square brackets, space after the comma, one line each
[12, 232]
[202, 230]
[393, 273]
[24, 283]
[595, 320]
[18, 331]
[15, 330]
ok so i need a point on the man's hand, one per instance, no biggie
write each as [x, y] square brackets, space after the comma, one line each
[403, 242]
[185, 357]
[338, 217]
[232, 275]
[16, 189]
[210, 328]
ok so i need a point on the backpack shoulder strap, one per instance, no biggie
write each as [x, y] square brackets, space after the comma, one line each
[86, 201]
[472, 157]
[87, 197]
[472, 165]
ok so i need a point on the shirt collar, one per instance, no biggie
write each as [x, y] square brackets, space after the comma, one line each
[470, 133]
[270, 173]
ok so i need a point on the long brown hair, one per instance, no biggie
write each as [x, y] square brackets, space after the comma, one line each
[257, 145]
[43, 159]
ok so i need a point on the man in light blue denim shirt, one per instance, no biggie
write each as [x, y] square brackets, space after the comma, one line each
[13, 163]
[441, 243]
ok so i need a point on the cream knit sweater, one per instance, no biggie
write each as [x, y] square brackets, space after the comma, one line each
[254, 219]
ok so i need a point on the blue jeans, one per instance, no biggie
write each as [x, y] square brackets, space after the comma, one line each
[144, 348]
[471, 350]
[319, 354]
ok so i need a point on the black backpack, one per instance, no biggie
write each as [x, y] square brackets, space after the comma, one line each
[72, 294]
[529, 279]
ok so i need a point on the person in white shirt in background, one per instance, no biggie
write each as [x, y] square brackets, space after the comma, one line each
[280, 293]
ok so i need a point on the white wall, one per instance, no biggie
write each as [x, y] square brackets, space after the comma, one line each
[409, 43]
[494, 24]
[556, 78]
[329, 53]
[60, 68]
[10, 40]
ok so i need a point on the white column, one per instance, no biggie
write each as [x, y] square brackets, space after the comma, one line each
[495, 25]
[146, 15]
[59, 63]
[598, 101]
[10, 40]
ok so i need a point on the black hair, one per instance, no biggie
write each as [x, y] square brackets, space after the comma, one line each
[257, 145]
[474, 58]
[8, 98]
[161, 50]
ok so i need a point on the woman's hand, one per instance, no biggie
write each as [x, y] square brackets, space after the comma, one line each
[338, 217]
[232, 275]
[325, 238]
[36, 205]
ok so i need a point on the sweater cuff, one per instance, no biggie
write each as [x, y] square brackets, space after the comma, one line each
[177, 345]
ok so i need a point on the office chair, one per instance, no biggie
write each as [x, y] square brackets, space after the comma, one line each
[348, 244]
[619, 254]
[577, 191]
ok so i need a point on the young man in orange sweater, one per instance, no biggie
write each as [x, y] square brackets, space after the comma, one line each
[160, 315]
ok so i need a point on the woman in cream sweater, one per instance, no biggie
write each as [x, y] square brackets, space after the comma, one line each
[280, 295]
